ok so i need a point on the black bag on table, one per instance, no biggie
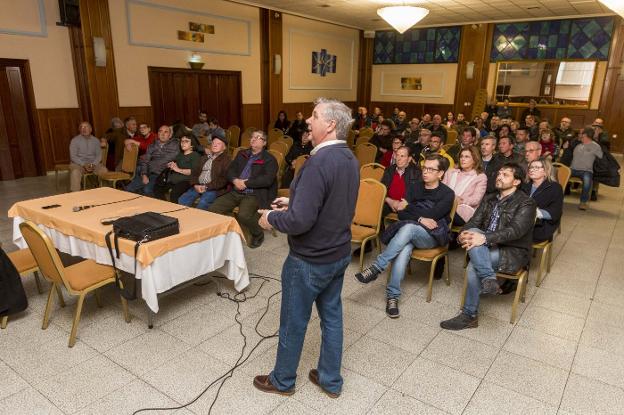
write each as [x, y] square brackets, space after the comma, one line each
[141, 228]
[12, 295]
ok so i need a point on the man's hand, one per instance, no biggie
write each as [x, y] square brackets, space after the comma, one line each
[263, 221]
[280, 204]
[471, 239]
[428, 223]
[402, 204]
[173, 166]
[383, 150]
[239, 184]
[200, 188]
[145, 179]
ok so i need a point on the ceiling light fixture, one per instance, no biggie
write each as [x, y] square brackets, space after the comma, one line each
[615, 5]
[402, 17]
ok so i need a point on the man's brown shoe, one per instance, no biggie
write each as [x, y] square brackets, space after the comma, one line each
[314, 378]
[263, 383]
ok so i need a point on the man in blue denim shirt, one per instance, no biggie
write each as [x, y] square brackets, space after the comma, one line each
[317, 218]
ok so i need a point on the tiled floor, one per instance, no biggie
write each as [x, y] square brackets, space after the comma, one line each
[565, 355]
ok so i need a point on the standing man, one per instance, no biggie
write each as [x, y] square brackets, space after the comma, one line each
[85, 155]
[584, 154]
[317, 219]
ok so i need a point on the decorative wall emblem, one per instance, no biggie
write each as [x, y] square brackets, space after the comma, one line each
[323, 62]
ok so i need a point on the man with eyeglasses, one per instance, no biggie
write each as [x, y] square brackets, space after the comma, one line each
[253, 174]
[435, 147]
[498, 238]
[423, 224]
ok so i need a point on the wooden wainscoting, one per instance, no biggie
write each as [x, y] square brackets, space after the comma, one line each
[142, 114]
[57, 127]
[252, 116]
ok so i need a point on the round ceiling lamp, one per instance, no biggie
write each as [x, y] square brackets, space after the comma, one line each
[402, 17]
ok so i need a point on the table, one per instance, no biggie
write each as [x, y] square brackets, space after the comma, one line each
[207, 242]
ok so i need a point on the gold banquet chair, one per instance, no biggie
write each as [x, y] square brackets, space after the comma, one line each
[281, 146]
[366, 132]
[128, 167]
[545, 260]
[298, 165]
[563, 177]
[372, 171]
[433, 255]
[522, 276]
[365, 153]
[234, 138]
[79, 279]
[367, 220]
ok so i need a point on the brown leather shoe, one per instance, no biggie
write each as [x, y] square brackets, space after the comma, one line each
[314, 378]
[263, 383]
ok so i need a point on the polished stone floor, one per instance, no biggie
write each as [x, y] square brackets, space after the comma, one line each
[565, 354]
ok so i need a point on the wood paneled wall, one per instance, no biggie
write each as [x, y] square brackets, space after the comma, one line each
[253, 116]
[57, 126]
[365, 70]
[476, 42]
[270, 45]
[613, 90]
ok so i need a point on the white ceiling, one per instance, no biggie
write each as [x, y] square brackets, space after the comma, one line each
[362, 14]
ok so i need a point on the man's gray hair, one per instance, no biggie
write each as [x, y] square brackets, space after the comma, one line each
[338, 112]
[262, 133]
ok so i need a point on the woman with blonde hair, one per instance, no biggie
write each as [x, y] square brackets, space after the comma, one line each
[468, 182]
[548, 195]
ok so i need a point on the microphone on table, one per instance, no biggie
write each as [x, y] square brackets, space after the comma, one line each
[79, 208]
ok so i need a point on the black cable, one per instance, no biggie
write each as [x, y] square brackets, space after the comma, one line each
[238, 299]
[85, 207]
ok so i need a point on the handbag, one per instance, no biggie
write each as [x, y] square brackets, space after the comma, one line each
[163, 177]
[141, 228]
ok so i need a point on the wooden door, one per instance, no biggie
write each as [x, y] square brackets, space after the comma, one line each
[18, 149]
[179, 94]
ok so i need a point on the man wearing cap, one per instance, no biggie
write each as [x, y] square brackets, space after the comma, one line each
[253, 174]
[209, 179]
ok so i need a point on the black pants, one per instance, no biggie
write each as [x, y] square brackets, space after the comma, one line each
[177, 190]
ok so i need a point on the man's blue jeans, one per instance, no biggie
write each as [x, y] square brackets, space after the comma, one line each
[304, 283]
[205, 199]
[410, 236]
[137, 186]
[587, 177]
[482, 265]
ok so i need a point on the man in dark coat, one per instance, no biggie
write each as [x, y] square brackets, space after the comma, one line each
[253, 173]
[498, 238]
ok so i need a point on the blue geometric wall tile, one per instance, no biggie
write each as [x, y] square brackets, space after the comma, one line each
[510, 41]
[590, 38]
[447, 44]
[384, 47]
[548, 39]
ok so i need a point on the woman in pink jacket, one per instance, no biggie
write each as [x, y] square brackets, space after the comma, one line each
[468, 182]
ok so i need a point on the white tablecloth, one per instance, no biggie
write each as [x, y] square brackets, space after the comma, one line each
[223, 254]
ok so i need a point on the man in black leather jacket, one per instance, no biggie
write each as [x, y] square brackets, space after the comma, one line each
[498, 239]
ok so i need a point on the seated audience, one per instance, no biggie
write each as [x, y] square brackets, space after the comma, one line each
[479, 125]
[145, 137]
[85, 155]
[426, 122]
[532, 110]
[505, 131]
[427, 212]
[498, 238]
[302, 148]
[117, 138]
[155, 160]
[504, 111]
[389, 157]
[421, 145]
[600, 135]
[110, 139]
[376, 114]
[490, 108]
[531, 126]
[522, 137]
[395, 114]
[513, 126]
[208, 179]
[461, 122]
[438, 127]
[584, 153]
[506, 151]
[201, 128]
[179, 174]
[362, 120]
[400, 124]
[543, 126]
[564, 131]
[449, 122]
[383, 139]
[532, 151]
[495, 125]
[297, 128]
[213, 129]
[468, 182]
[412, 133]
[282, 122]
[547, 143]
[401, 179]
[435, 147]
[253, 174]
[548, 196]
[490, 162]
[468, 139]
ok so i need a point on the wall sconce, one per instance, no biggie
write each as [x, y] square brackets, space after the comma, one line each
[99, 51]
[470, 69]
[277, 64]
[195, 61]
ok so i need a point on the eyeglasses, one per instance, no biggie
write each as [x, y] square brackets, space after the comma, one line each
[536, 168]
[430, 170]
